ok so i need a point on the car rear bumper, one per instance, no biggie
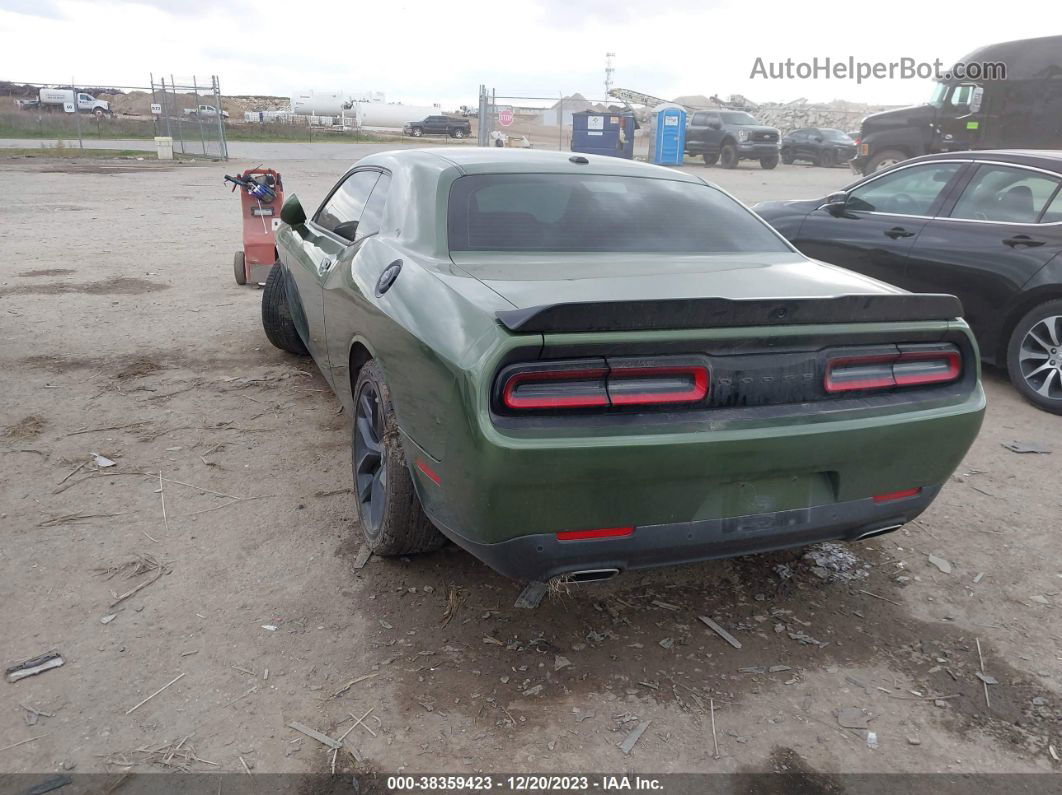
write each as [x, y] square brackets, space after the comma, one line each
[543, 556]
[716, 489]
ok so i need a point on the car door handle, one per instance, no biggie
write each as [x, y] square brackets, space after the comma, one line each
[1022, 240]
[323, 266]
[898, 231]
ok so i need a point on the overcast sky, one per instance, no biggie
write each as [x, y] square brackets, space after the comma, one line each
[423, 51]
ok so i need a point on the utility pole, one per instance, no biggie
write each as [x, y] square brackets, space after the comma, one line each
[609, 70]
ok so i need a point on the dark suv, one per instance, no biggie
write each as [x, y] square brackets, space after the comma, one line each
[438, 125]
[822, 146]
[728, 136]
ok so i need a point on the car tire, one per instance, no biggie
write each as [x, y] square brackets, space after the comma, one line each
[276, 314]
[728, 156]
[826, 159]
[99, 113]
[416, 132]
[787, 157]
[239, 269]
[1038, 377]
[459, 134]
[710, 160]
[768, 163]
[389, 511]
[885, 159]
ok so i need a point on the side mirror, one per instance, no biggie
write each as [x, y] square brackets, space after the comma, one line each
[976, 99]
[835, 203]
[292, 213]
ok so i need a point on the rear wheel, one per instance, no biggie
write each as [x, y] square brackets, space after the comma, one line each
[826, 158]
[390, 513]
[728, 156]
[276, 314]
[710, 160]
[239, 269]
[459, 133]
[768, 162]
[1034, 356]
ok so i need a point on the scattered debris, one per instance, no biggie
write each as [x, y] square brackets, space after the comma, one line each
[364, 553]
[666, 643]
[882, 598]
[872, 740]
[359, 722]
[988, 679]
[141, 565]
[718, 630]
[533, 691]
[1054, 753]
[146, 700]
[32, 667]
[560, 662]
[23, 742]
[665, 605]
[940, 563]
[101, 461]
[1026, 447]
[532, 595]
[832, 561]
[324, 739]
[453, 604]
[1040, 599]
[715, 739]
[913, 741]
[807, 640]
[981, 660]
[269, 627]
[980, 576]
[356, 680]
[854, 718]
[628, 744]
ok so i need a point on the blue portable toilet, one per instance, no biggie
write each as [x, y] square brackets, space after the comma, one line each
[605, 133]
[669, 135]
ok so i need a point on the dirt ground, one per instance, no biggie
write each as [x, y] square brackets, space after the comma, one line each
[229, 507]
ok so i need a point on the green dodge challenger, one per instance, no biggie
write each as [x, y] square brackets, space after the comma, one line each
[577, 365]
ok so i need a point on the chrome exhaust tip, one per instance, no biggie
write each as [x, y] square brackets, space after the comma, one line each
[592, 575]
[879, 531]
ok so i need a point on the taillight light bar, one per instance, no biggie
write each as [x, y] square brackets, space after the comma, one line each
[568, 385]
[883, 371]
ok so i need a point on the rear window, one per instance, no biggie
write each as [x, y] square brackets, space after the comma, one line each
[562, 212]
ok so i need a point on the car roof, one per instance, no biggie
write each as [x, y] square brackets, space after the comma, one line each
[1050, 159]
[489, 160]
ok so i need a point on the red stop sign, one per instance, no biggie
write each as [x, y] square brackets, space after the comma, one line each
[505, 117]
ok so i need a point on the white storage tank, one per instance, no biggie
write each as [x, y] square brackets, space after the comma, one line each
[318, 103]
[392, 116]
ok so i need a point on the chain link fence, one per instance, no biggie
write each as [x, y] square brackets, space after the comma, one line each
[191, 114]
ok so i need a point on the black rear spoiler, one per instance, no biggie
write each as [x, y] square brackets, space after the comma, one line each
[682, 313]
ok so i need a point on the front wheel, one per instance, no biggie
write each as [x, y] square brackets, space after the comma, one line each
[710, 160]
[885, 159]
[417, 132]
[728, 156]
[787, 157]
[768, 162]
[1034, 356]
[390, 513]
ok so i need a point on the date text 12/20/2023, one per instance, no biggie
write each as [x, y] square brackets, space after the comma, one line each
[524, 783]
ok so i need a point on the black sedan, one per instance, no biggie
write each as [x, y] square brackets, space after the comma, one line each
[985, 226]
[822, 146]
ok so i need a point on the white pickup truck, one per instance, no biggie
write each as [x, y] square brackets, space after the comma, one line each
[63, 99]
[205, 110]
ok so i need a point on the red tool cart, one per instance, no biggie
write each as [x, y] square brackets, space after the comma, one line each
[261, 197]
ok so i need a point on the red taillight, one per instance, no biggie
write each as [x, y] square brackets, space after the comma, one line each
[645, 386]
[897, 495]
[881, 371]
[568, 385]
[555, 389]
[586, 535]
[429, 473]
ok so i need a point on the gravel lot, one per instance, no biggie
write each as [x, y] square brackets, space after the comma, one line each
[128, 338]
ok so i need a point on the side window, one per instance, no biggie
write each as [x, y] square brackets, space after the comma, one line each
[712, 118]
[699, 119]
[372, 216]
[1001, 193]
[340, 214]
[908, 191]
